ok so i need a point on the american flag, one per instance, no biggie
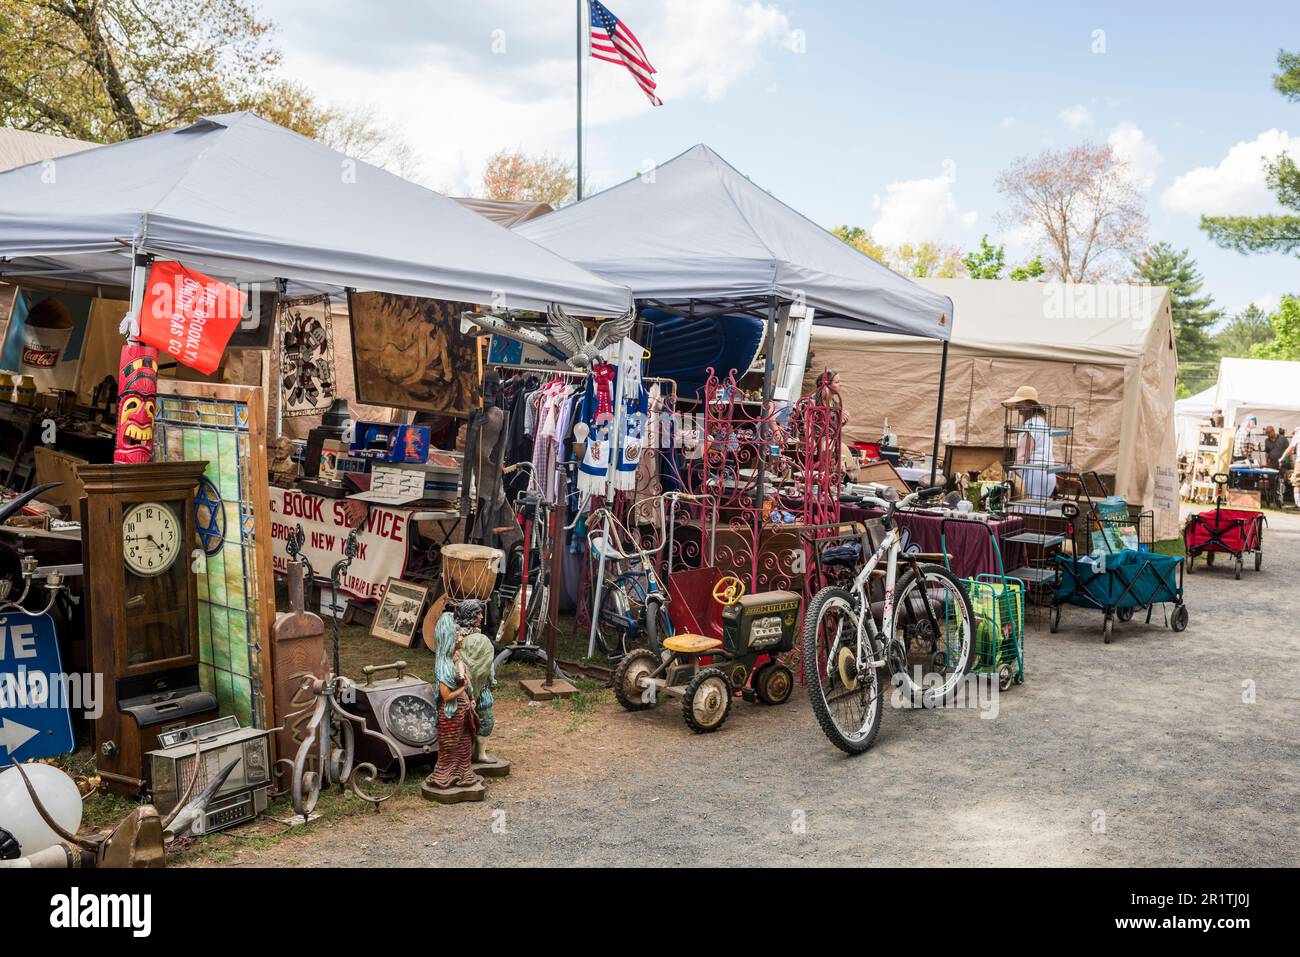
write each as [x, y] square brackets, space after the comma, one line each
[613, 42]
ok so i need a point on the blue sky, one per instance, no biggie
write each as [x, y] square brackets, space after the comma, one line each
[896, 117]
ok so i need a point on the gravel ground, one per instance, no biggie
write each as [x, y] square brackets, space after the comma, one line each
[1149, 751]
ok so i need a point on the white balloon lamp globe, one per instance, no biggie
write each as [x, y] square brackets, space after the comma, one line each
[18, 815]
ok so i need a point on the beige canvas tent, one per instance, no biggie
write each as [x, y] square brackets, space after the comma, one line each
[1107, 351]
[20, 147]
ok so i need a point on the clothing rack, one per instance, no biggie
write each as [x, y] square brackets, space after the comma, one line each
[574, 374]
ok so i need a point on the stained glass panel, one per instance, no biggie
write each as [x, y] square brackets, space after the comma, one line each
[229, 615]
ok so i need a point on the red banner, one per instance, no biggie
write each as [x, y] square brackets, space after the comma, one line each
[188, 315]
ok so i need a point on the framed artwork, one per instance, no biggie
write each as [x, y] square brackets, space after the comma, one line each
[305, 356]
[44, 337]
[409, 353]
[399, 612]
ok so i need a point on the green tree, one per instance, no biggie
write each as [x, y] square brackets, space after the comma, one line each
[1286, 332]
[861, 240]
[108, 70]
[1031, 271]
[1243, 332]
[987, 262]
[1194, 314]
[1274, 233]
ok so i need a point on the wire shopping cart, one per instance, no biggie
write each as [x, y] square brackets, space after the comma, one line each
[999, 606]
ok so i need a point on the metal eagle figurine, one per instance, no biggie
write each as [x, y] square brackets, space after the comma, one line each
[563, 335]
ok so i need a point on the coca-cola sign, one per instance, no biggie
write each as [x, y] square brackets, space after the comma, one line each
[41, 358]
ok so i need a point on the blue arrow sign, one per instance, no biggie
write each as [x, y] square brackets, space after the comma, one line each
[35, 713]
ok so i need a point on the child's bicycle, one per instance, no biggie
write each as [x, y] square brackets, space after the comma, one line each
[632, 606]
[922, 631]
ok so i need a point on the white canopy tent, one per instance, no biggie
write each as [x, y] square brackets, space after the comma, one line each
[697, 238]
[249, 201]
[1188, 414]
[695, 228]
[1269, 389]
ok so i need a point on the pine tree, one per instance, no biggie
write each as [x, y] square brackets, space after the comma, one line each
[1243, 332]
[1275, 233]
[1194, 315]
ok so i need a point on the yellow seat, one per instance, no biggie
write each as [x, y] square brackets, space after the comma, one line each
[691, 644]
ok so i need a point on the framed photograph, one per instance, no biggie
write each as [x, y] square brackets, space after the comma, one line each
[399, 612]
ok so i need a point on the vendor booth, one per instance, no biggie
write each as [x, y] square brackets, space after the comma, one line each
[1106, 352]
[730, 281]
[208, 245]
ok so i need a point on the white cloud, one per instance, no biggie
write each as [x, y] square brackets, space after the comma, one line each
[1136, 148]
[434, 76]
[1076, 117]
[1236, 186]
[1007, 122]
[921, 209]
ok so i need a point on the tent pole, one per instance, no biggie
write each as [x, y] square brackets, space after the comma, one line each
[578, 59]
[764, 438]
[938, 413]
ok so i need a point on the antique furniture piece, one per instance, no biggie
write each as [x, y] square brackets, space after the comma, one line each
[205, 750]
[402, 708]
[137, 539]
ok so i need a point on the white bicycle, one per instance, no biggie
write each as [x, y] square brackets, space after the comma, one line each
[922, 630]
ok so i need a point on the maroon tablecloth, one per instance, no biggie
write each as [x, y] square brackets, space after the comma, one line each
[968, 540]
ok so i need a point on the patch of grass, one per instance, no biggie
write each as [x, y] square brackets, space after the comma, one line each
[1170, 546]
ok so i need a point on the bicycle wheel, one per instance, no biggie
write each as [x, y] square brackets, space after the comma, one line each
[656, 625]
[937, 639]
[847, 702]
[539, 606]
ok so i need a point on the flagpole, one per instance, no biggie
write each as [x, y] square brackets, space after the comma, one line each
[578, 187]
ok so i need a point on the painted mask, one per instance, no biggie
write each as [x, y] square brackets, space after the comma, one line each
[137, 388]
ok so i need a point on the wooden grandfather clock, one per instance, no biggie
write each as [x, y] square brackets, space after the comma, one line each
[138, 541]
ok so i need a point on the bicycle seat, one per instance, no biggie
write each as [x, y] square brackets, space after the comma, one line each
[687, 644]
[599, 546]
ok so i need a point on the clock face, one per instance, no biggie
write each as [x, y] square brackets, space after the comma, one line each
[151, 538]
[413, 720]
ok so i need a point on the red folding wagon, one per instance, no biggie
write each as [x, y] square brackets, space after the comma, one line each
[1228, 531]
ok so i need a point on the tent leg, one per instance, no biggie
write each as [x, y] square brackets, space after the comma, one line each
[764, 439]
[938, 413]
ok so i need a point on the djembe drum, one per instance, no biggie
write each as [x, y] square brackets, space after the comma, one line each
[470, 571]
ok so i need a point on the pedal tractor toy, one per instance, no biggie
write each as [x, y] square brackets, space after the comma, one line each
[707, 672]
